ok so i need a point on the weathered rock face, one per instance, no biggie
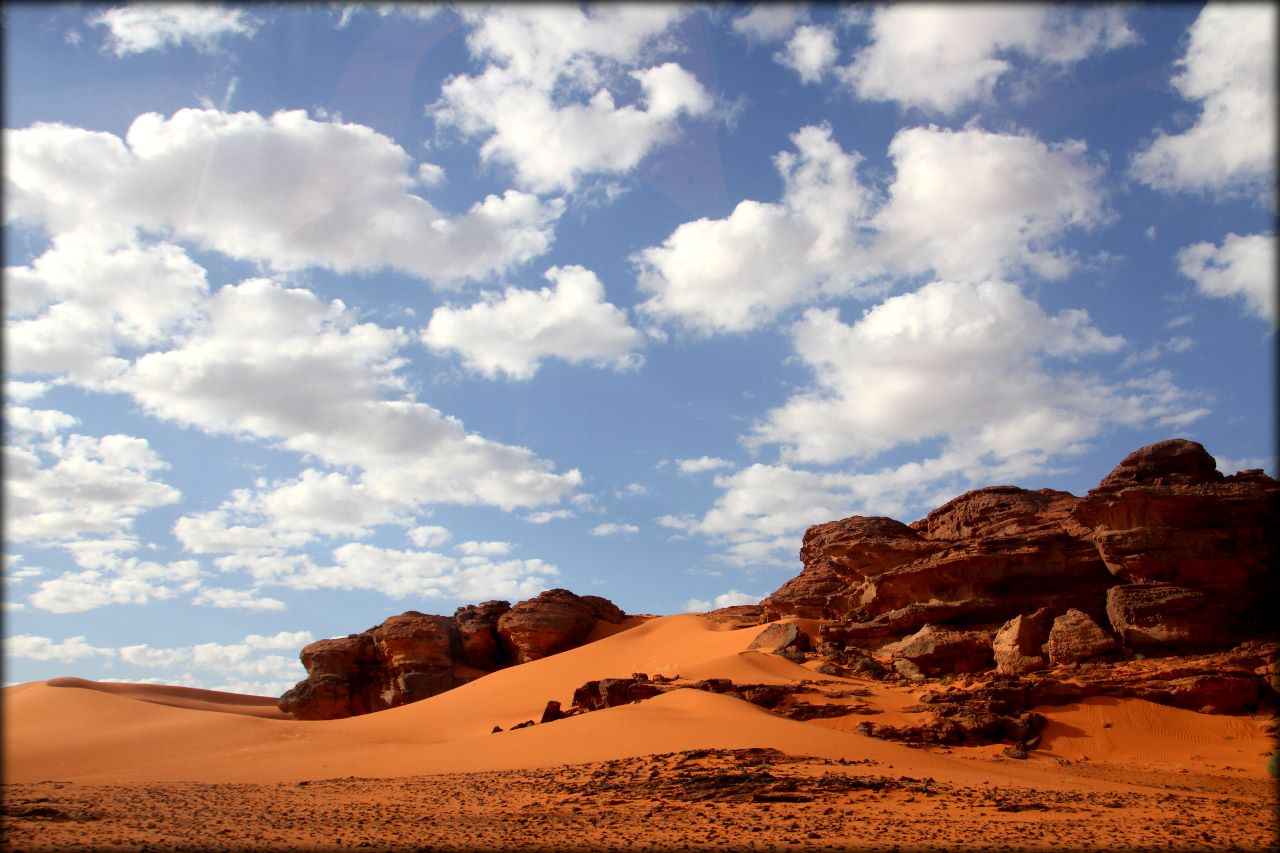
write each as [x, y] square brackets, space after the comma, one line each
[1166, 553]
[554, 621]
[1019, 645]
[1075, 637]
[1165, 517]
[932, 652]
[414, 655]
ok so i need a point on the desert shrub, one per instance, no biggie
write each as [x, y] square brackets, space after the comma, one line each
[1273, 765]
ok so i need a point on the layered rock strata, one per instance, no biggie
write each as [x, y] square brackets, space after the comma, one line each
[1165, 557]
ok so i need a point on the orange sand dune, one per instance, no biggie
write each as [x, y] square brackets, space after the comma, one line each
[69, 729]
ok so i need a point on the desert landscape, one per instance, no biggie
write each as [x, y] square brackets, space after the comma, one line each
[1019, 670]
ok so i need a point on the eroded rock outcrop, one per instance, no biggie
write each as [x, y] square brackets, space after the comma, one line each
[1166, 557]
[415, 655]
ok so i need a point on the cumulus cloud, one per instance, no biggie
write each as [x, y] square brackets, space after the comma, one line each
[244, 185]
[967, 204]
[144, 27]
[512, 333]
[770, 21]
[43, 648]
[731, 598]
[1230, 69]
[614, 529]
[734, 274]
[550, 515]
[236, 599]
[977, 368]
[122, 581]
[479, 573]
[546, 102]
[974, 204]
[942, 57]
[702, 464]
[278, 364]
[239, 667]
[1241, 268]
[948, 359]
[65, 487]
[69, 316]
[811, 52]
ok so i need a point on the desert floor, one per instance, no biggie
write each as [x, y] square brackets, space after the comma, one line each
[112, 766]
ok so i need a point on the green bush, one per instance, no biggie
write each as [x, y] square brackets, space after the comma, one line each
[1273, 765]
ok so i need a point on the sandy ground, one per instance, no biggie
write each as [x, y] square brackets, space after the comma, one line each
[109, 766]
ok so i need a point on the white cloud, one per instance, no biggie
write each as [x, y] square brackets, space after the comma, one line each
[967, 204]
[734, 274]
[546, 105]
[950, 359]
[43, 648]
[142, 27]
[128, 581]
[546, 516]
[70, 316]
[811, 52]
[943, 57]
[429, 536]
[972, 204]
[402, 574]
[511, 334]
[244, 185]
[770, 21]
[281, 640]
[702, 464]
[965, 365]
[69, 487]
[236, 599]
[614, 529]
[732, 598]
[24, 392]
[472, 548]
[1230, 69]
[278, 364]
[1242, 267]
[631, 490]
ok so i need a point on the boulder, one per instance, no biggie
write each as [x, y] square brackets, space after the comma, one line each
[1147, 616]
[1076, 637]
[1019, 645]
[780, 637]
[932, 652]
[552, 622]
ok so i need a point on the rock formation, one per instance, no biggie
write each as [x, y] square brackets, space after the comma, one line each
[414, 655]
[1165, 557]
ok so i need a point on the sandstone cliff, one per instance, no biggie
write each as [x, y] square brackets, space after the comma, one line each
[1165, 557]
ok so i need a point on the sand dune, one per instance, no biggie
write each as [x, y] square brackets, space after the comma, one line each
[74, 731]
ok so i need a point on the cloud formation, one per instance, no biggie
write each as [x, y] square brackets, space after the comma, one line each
[1229, 68]
[1243, 267]
[245, 185]
[512, 333]
[145, 27]
[546, 104]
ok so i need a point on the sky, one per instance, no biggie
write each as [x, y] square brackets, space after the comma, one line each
[319, 314]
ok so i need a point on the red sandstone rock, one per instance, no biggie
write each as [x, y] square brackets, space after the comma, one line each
[1165, 515]
[1019, 645]
[414, 655]
[554, 621]
[932, 652]
[780, 637]
[1145, 616]
[1075, 637]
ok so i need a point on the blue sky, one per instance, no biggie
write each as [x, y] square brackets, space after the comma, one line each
[319, 314]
